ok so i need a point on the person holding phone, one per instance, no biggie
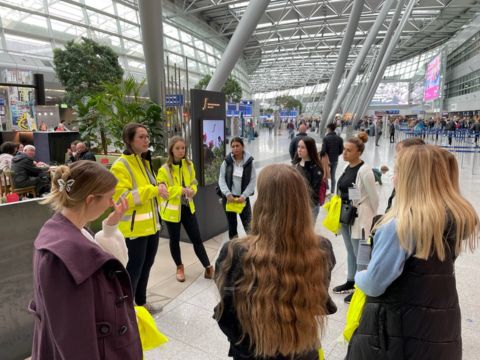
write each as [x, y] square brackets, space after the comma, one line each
[141, 223]
[178, 208]
[82, 297]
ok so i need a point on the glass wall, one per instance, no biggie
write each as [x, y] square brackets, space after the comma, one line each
[466, 51]
[36, 27]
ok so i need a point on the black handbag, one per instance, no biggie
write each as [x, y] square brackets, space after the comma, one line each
[348, 214]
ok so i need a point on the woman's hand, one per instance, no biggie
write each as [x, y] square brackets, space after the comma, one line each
[230, 198]
[241, 199]
[163, 191]
[118, 210]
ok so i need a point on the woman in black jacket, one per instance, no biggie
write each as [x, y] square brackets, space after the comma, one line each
[412, 310]
[309, 164]
[274, 282]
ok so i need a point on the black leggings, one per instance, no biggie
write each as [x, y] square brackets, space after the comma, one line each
[190, 224]
[245, 216]
[141, 255]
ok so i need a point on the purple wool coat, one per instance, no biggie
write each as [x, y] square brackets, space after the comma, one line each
[82, 299]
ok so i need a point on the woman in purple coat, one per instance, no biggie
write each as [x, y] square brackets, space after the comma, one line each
[82, 298]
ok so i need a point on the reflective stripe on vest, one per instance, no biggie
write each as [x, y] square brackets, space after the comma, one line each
[170, 178]
[135, 194]
[139, 217]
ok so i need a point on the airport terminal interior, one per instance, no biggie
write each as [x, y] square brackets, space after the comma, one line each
[274, 76]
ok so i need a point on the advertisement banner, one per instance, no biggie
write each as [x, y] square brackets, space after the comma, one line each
[391, 93]
[432, 79]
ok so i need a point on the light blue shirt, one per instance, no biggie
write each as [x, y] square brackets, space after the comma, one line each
[386, 264]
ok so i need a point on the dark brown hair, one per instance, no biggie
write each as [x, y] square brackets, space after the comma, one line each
[9, 147]
[128, 134]
[311, 146]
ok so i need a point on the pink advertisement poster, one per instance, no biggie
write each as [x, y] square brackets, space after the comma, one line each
[432, 79]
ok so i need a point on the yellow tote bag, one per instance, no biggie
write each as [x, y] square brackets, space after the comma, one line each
[236, 207]
[149, 335]
[321, 355]
[332, 220]
[354, 313]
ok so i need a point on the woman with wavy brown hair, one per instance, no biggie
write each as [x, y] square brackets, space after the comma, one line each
[274, 282]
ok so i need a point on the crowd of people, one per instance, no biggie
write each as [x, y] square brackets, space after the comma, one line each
[274, 282]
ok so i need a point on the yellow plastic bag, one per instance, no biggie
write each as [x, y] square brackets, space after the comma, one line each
[236, 207]
[354, 313]
[321, 355]
[332, 220]
[149, 334]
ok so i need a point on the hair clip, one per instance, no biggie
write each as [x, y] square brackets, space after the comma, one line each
[67, 186]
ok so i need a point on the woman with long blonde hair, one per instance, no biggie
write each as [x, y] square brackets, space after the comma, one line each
[274, 282]
[412, 309]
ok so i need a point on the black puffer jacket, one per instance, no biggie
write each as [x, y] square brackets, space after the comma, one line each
[333, 146]
[418, 316]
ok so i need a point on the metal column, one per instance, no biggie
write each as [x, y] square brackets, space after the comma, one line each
[378, 61]
[245, 29]
[372, 34]
[341, 61]
[152, 35]
[388, 54]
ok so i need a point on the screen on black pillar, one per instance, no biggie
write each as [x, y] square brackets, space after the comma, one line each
[213, 145]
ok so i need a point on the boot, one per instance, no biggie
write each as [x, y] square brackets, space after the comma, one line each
[180, 273]
[209, 272]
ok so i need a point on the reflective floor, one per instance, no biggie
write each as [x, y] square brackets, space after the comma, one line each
[187, 315]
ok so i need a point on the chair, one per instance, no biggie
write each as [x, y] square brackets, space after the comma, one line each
[20, 191]
[4, 185]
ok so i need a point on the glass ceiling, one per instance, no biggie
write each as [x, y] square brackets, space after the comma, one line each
[28, 27]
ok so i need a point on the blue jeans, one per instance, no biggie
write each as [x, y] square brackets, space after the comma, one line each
[333, 169]
[352, 250]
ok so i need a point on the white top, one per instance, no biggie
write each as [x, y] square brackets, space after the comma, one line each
[111, 240]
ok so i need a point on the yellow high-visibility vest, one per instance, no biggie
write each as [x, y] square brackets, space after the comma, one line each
[136, 183]
[170, 209]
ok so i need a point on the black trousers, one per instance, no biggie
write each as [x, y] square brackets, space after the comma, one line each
[190, 224]
[245, 216]
[141, 256]
[392, 137]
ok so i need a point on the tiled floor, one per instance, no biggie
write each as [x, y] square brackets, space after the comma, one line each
[187, 316]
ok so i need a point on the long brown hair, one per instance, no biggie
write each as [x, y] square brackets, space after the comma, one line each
[280, 299]
[426, 199]
[311, 146]
[171, 144]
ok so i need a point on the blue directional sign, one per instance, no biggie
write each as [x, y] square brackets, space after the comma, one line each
[174, 100]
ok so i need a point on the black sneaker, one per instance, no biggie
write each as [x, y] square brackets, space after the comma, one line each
[346, 288]
[348, 298]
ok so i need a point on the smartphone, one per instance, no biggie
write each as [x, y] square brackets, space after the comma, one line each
[123, 196]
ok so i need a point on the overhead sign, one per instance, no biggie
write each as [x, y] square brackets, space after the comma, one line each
[174, 100]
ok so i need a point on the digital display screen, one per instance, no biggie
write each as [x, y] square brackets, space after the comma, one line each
[391, 93]
[213, 149]
[432, 79]
[416, 92]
